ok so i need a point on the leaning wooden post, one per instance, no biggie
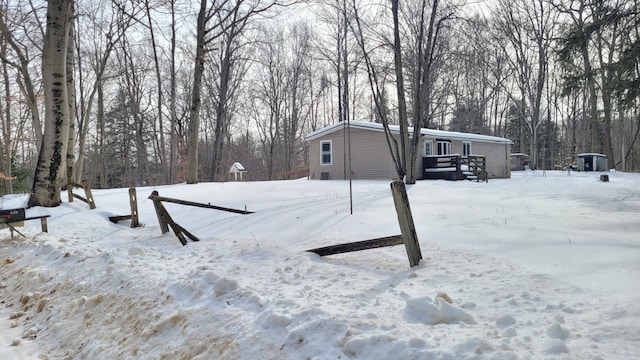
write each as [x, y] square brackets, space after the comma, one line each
[405, 219]
[87, 193]
[159, 212]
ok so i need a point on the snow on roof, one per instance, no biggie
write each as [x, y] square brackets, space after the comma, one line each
[396, 129]
[237, 167]
[591, 154]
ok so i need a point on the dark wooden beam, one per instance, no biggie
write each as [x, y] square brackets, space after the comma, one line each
[191, 203]
[359, 245]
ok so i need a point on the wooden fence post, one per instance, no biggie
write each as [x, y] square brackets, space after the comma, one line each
[160, 211]
[405, 219]
[133, 201]
[70, 184]
[165, 220]
[87, 193]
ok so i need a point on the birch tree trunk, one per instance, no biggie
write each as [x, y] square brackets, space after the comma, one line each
[49, 173]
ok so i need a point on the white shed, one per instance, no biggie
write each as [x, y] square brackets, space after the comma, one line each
[237, 171]
[592, 162]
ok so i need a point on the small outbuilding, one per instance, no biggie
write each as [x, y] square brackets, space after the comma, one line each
[592, 162]
[519, 162]
[237, 171]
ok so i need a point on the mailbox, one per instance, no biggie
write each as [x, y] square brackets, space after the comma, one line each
[11, 215]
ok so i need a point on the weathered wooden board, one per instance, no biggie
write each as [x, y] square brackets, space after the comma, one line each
[405, 219]
[359, 245]
[155, 197]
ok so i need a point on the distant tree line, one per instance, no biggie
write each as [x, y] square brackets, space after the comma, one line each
[161, 92]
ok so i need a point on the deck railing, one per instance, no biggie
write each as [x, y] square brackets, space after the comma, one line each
[477, 165]
[442, 167]
[455, 167]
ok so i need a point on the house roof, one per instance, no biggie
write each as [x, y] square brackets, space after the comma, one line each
[365, 125]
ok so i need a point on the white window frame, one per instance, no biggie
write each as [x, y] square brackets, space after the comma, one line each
[428, 145]
[443, 147]
[323, 153]
[466, 148]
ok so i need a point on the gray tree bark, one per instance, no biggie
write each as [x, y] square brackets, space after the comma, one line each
[194, 113]
[49, 173]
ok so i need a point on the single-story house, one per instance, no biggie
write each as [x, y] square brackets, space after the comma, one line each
[592, 162]
[370, 157]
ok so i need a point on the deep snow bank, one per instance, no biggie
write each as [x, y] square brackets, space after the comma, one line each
[96, 290]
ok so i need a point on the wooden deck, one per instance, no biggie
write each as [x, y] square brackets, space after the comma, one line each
[454, 167]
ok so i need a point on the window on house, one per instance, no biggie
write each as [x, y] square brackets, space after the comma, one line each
[444, 147]
[325, 152]
[466, 148]
[428, 148]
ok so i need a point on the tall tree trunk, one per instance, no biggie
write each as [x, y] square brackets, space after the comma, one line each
[607, 87]
[402, 104]
[49, 173]
[173, 150]
[71, 96]
[5, 145]
[592, 100]
[221, 113]
[423, 86]
[194, 114]
[156, 62]
[102, 171]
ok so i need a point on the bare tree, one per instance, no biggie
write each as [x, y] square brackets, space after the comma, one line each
[298, 109]
[528, 28]
[597, 50]
[49, 174]
[400, 154]
[270, 90]
[227, 13]
[431, 20]
[575, 57]
[22, 46]
[230, 69]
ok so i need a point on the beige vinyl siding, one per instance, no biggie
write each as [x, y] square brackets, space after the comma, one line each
[336, 169]
[497, 157]
[370, 157]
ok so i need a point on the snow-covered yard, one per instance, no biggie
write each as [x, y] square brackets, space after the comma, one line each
[542, 265]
